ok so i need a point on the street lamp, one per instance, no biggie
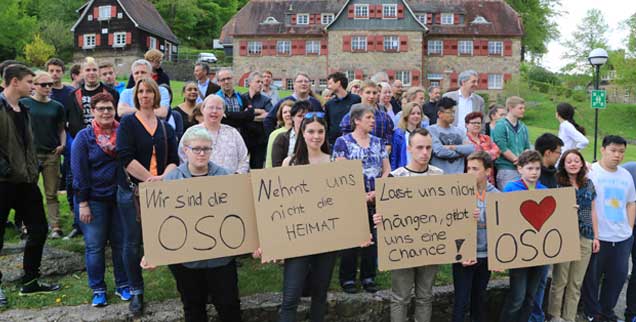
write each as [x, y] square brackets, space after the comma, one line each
[597, 58]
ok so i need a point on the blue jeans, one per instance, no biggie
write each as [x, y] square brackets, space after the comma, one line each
[470, 284]
[69, 182]
[319, 267]
[105, 226]
[610, 263]
[630, 310]
[132, 240]
[537, 314]
[520, 299]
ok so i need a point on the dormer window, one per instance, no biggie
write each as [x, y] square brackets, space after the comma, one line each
[389, 11]
[302, 19]
[479, 20]
[447, 18]
[326, 18]
[361, 11]
[270, 21]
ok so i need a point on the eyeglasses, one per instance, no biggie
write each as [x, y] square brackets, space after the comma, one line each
[200, 149]
[225, 79]
[303, 81]
[474, 123]
[319, 115]
[103, 109]
[45, 84]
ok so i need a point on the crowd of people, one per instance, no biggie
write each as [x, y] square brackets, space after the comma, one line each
[107, 137]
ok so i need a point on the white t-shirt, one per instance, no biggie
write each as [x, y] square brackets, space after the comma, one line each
[614, 190]
[571, 137]
[464, 107]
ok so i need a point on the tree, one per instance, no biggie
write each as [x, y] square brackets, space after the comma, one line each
[37, 52]
[589, 34]
[16, 28]
[538, 25]
[57, 33]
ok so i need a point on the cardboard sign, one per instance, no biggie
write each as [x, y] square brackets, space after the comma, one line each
[196, 219]
[531, 228]
[305, 210]
[426, 220]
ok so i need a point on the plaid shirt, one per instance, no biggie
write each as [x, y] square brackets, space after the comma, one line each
[232, 103]
[383, 126]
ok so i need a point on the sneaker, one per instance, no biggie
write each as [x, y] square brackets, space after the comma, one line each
[123, 293]
[349, 288]
[3, 299]
[35, 287]
[370, 287]
[99, 300]
[74, 233]
[56, 234]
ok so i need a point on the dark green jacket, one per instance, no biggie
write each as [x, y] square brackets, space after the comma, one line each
[18, 161]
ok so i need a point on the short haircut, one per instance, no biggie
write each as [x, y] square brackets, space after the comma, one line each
[212, 97]
[267, 71]
[547, 142]
[39, 74]
[301, 74]
[411, 93]
[149, 82]
[153, 55]
[493, 110]
[102, 97]
[89, 61]
[140, 62]
[466, 75]
[513, 101]
[357, 112]
[380, 77]
[18, 71]
[528, 156]
[473, 115]
[483, 156]
[279, 112]
[76, 69]
[367, 84]
[421, 131]
[611, 139]
[196, 133]
[6, 63]
[106, 65]
[203, 66]
[445, 103]
[54, 61]
[225, 69]
[300, 106]
[432, 87]
[339, 77]
[355, 82]
[253, 75]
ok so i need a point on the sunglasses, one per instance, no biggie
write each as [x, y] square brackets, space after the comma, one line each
[44, 84]
[319, 115]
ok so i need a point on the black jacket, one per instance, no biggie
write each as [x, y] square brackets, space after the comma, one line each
[162, 78]
[254, 132]
[75, 108]
[548, 177]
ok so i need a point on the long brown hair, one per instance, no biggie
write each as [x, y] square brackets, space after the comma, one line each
[563, 179]
[301, 153]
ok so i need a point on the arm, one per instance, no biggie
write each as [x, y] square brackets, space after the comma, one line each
[243, 158]
[395, 151]
[441, 151]
[345, 124]
[80, 168]
[465, 149]
[125, 105]
[279, 150]
[631, 212]
[578, 137]
[164, 104]
[501, 140]
[386, 168]
[286, 161]
[491, 148]
[270, 120]
[595, 243]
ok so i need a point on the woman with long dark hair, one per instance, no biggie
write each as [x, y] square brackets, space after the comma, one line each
[572, 134]
[567, 278]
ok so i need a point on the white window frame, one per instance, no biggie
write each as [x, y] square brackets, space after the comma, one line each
[447, 18]
[90, 17]
[254, 48]
[153, 42]
[362, 8]
[283, 47]
[435, 82]
[89, 41]
[437, 43]
[386, 8]
[404, 76]
[117, 36]
[495, 81]
[304, 20]
[322, 82]
[435, 76]
[104, 12]
[359, 43]
[391, 43]
[465, 44]
[326, 18]
[312, 47]
[495, 48]
[422, 18]
[289, 84]
[351, 75]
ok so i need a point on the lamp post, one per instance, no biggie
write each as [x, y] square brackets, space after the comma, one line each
[597, 58]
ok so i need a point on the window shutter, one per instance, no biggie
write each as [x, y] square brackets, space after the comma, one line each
[400, 11]
[391, 74]
[507, 47]
[484, 51]
[438, 18]
[80, 41]
[350, 11]
[358, 74]
[476, 47]
[456, 19]
[379, 43]
[453, 80]
[483, 81]
[269, 48]
[324, 47]
[507, 77]
[98, 40]
[425, 47]
[371, 43]
[429, 18]
[346, 44]
[128, 38]
[312, 19]
[293, 19]
[157, 44]
[110, 39]
[113, 11]
[95, 13]
[301, 47]
[452, 46]
[446, 50]
[372, 11]
[243, 48]
[404, 43]
[415, 77]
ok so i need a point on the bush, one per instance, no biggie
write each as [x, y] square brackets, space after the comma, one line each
[579, 95]
[37, 52]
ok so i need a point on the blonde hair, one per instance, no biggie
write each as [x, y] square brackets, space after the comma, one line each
[89, 61]
[40, 74]
[406, 112]
[412, 92]
[353, 83]
[152, 85]
[513, 101]
[153, 55]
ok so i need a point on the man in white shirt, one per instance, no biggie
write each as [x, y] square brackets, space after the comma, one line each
[467, 100]
[615, 206]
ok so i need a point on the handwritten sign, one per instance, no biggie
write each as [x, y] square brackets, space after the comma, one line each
[531, 228]
[426, 220]
[196, 219]
[305, 210]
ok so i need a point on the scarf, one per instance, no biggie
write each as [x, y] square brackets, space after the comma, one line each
[107, 142]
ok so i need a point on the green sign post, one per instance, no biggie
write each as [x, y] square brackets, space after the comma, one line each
[599, 99]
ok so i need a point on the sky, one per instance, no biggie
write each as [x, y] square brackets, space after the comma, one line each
[573, 12]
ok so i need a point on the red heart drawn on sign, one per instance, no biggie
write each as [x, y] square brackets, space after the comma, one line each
[538, 214]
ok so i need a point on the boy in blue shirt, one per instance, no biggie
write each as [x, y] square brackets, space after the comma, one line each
[523, 281]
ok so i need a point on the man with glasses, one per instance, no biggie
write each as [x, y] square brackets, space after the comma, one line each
[302, 92]
[450, 146]
[237, 115]
[254, 136]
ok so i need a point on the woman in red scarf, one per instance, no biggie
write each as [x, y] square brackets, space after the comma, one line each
[94, 166]
[482, 142]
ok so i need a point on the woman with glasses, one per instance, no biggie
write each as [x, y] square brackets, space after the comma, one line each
[228, 147]
[147, 151]
[49, 138]
[482, 142]
[215, 277]
[94, 166]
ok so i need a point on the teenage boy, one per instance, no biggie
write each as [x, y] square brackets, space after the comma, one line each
[470, 278]
[337, 107]
[420, 147]
[615, 210]
[523, 281]
[549, 146]
[511, 136]
[450, 146]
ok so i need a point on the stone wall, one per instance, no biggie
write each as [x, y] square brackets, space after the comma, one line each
[122, 60]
